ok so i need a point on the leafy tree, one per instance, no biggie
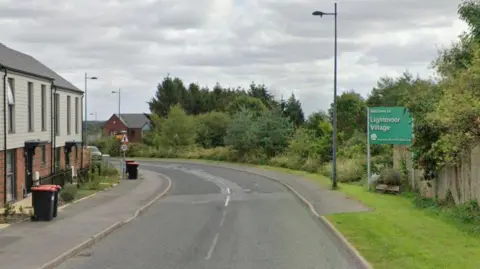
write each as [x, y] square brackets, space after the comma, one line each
[307, 144]
[314, 122]
[390, 91]
[274, 132]
[246, 102]
[178, 129]
[351, 113]
[243, 132]
[169, 93]
[212, 128]
[260, 92]
[292, 109]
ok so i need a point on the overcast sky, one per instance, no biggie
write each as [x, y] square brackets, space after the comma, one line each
[134, 44]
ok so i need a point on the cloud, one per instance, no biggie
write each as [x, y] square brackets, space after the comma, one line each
[133, 44]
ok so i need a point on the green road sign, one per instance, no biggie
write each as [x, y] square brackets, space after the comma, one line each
[390, 125]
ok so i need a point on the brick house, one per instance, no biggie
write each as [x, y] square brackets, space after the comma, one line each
[136, 124]
[41, 125]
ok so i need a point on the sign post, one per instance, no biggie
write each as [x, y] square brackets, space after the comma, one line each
[124, 148]
[387, 126]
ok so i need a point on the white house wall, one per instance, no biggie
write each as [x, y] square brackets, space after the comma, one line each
[63, 135]
[17, 139]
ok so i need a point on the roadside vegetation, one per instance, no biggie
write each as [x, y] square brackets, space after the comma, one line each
[100, 177]
[251, 126]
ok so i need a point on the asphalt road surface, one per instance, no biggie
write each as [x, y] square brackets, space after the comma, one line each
[217, 218]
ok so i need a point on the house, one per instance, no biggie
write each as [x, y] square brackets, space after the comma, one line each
[40, 123]
[135, 124]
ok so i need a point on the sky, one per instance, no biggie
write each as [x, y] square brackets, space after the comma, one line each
[133, 44]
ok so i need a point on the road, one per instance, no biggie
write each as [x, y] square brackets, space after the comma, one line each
[217, 218]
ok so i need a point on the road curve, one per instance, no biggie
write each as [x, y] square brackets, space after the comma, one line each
[218, 218]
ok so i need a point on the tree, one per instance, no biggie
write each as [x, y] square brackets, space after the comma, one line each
[212, 128]
[274, 132]
[292, 109]
[169, 93]
[351, 113]
[260, 92]
[246, 102]
[178, 129]
[242, 133]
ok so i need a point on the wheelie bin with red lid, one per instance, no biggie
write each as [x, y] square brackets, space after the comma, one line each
[127, 162]
[55, 206]
[43, 200]
[133, 170]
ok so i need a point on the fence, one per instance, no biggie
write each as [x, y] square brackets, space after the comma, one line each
[63, 177]
[462, 181]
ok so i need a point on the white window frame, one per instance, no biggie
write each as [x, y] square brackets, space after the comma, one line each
[11, 104]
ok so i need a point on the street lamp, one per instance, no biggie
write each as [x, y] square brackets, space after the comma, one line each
[119, 93]
[334, 139]
[86, 102]
[94, 114]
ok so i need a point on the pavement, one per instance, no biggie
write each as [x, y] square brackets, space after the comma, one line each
[218, 217]
[29, 245]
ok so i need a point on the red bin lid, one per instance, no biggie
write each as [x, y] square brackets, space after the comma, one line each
[44, 188]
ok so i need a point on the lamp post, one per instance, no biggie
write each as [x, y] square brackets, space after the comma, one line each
[86, 102]
[334, 139]
[119, 93]
[94, 114]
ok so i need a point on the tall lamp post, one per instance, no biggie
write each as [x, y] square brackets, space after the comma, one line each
[119, 93]
[334, 139]
[86, 102]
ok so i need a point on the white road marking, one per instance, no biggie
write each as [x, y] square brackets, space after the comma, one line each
[212, 247]
[228, 200]
[228, 190]
[200, 202]
[223, 218]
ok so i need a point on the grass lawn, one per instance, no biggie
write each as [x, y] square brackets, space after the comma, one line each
[398, 235]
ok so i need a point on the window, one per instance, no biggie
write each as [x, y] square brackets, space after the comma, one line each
[11, 105]
[56, 109]
[10, 175]
[30, 107]
[69, 115]
[76, 115]
[75, 154]
[44, 108]
[44, 155]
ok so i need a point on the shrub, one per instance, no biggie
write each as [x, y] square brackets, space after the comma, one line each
[69, 193]
[279, 161]
[211, 129]
[311, 165]
[390, 176]
[348, 170]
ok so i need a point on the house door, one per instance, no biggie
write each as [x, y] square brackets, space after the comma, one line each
[10, 175]
[67, 158]
[28, 169]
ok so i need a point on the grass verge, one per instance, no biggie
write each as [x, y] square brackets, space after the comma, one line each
[397, 235]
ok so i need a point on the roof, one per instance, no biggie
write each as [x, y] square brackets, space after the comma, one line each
[135, 120]
[19, 61]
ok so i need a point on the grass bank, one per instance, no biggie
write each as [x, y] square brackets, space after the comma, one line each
[397, 234]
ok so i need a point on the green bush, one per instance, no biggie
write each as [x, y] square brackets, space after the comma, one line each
[348, 170]
[390, 176]
[69, 193]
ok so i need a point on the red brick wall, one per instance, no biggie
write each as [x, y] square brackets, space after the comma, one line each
[20, 173]
[37, 166]
[134, 135]
[2, 180]
[113, 124]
